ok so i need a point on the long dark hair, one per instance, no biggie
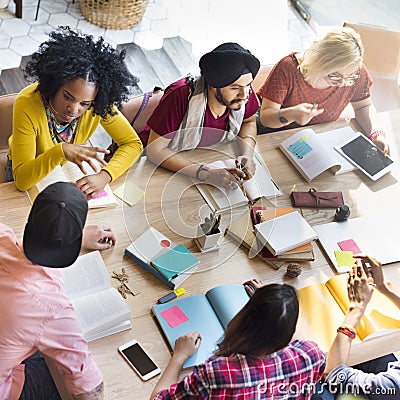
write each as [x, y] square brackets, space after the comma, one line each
[69, 55]
[264, 325]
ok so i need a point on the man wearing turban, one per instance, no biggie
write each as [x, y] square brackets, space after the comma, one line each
[216, 107]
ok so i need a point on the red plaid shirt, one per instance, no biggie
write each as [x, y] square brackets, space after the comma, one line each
[289, 373]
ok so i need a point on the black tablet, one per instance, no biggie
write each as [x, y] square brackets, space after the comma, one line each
[366, 156]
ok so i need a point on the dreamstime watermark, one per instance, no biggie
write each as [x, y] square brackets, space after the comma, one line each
[173, 201]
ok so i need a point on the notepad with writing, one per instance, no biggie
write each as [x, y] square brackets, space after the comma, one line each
[284, 233]
[175, 261]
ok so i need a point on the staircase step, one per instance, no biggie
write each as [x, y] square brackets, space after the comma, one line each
[180, 53]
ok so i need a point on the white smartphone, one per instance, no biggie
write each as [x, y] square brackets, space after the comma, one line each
[139, 360]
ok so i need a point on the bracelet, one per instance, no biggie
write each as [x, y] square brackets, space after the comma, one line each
[249, 137]
[349, 327]
[351, 334]
[277, 115]
[376, 133]
[281, 119]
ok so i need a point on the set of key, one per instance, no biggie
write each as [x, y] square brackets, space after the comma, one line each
[123, 288]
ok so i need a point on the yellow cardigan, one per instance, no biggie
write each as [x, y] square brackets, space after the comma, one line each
[34, 154]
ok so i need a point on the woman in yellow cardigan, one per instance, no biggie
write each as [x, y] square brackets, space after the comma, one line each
[79, 84]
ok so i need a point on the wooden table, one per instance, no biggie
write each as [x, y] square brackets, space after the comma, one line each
[173, 206]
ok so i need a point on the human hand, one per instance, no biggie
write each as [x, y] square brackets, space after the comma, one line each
[359, 286]
[252, 285]
[380, 141]
[225, 178]
[78, 153]
[187, 345]
[373, 268]
[303, 113]
[92, 185]
[97, 237]
[248, 166]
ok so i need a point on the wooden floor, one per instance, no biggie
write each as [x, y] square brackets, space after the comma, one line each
[153, 67]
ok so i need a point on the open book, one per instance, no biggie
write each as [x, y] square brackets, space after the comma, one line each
[260, 185]
[70, 172]
[209, 314]
[322, 310]
[313, 153]
[100, 309]
[170, 263]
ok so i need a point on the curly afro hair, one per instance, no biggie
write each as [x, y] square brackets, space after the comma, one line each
[69, 55]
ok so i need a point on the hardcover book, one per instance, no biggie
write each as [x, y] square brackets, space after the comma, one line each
[156, 253]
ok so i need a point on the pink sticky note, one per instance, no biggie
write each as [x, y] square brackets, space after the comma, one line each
[103, 193]
[174, 316]
[349, 245]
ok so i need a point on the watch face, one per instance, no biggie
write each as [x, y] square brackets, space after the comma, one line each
[203, 174]
[283, 119]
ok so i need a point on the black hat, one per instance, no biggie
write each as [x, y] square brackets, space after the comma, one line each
[53, 233]
[226, 63]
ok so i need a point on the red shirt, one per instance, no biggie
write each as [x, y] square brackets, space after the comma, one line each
[171, 109]
[285, 85]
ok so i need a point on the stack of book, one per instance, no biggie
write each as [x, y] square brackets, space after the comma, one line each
[168, 262]
[246, 230]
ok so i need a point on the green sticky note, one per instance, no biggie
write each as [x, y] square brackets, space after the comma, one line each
[344, 258]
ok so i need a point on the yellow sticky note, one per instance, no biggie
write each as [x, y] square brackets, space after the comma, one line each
[129, 193]
[344, 258]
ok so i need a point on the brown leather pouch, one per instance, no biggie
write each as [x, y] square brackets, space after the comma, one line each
[315, 199]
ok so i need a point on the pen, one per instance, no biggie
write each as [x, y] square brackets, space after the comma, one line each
[170, 296]
[240, 166]
[197, 339]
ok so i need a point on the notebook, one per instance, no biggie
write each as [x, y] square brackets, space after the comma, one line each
[284, 233]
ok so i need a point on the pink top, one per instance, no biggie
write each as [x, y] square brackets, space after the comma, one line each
[286, 86]
[37, 315]
[171, 109]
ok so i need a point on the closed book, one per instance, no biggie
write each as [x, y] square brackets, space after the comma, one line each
[175, 262]
[261, 214]
[284, 233]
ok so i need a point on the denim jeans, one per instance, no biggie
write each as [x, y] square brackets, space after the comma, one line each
[39, 384]
[8, 168]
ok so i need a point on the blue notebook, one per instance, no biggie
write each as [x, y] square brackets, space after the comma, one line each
[209, 314]
[175, 262]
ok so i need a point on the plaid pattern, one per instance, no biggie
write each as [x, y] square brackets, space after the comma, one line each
[287, 374]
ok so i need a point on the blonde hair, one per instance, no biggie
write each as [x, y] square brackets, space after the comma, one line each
[338, 49]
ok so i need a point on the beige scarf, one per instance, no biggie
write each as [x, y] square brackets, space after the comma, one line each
[188, 135]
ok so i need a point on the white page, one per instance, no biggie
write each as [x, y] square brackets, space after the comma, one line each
[149, 245]
[101, 310]
[384, 247]
[87, 275]
[335, 138]
[309, 154]
[123, 326]
[56, 175]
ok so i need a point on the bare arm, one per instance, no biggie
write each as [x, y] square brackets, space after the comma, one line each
[359, 292]
[367, 117]
[96, 394]
[159, 153]
[302, 114]
[185, 347]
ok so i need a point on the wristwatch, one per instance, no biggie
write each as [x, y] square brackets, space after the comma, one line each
[203, 173]
[283, 119]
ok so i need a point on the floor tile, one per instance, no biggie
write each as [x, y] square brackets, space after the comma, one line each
[24, 46]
